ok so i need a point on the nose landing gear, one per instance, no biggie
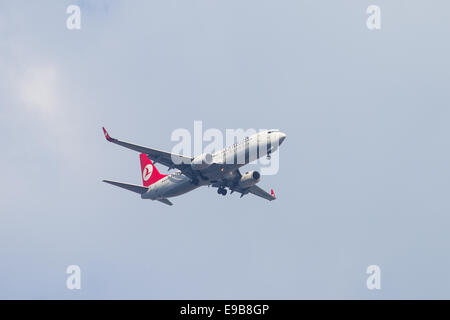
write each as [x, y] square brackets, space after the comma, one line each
[222, 191]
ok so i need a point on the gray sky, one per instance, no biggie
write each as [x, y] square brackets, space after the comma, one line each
[364, 173]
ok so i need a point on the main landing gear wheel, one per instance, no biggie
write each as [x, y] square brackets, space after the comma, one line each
[222, 191]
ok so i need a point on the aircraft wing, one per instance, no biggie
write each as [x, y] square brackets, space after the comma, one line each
[165, 158]
[257, 191]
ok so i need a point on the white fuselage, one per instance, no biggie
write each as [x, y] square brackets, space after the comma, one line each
[232, 157]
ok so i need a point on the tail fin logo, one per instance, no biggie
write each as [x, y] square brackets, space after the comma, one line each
[147, 172]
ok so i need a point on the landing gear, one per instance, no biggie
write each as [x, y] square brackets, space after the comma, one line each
[222, 191]
[268, 157]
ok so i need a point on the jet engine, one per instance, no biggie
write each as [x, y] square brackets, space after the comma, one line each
[249, 179]
[202, 161]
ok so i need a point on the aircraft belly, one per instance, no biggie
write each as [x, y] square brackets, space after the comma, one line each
[179, 189]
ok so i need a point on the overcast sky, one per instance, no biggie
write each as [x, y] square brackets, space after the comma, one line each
[364, 172]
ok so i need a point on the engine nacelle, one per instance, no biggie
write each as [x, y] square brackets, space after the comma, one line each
[202, 161]
[249, 179]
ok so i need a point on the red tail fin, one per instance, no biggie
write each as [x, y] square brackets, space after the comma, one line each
[149, 172]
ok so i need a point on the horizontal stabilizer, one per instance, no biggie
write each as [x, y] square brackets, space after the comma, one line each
[166, 201]
[130, 187]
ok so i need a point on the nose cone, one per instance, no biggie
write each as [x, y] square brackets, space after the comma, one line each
[282, 137]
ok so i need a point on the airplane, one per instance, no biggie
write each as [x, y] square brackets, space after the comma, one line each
[219, 169]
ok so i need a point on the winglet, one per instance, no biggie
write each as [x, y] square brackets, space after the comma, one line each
[272, 193]
[106, 134]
